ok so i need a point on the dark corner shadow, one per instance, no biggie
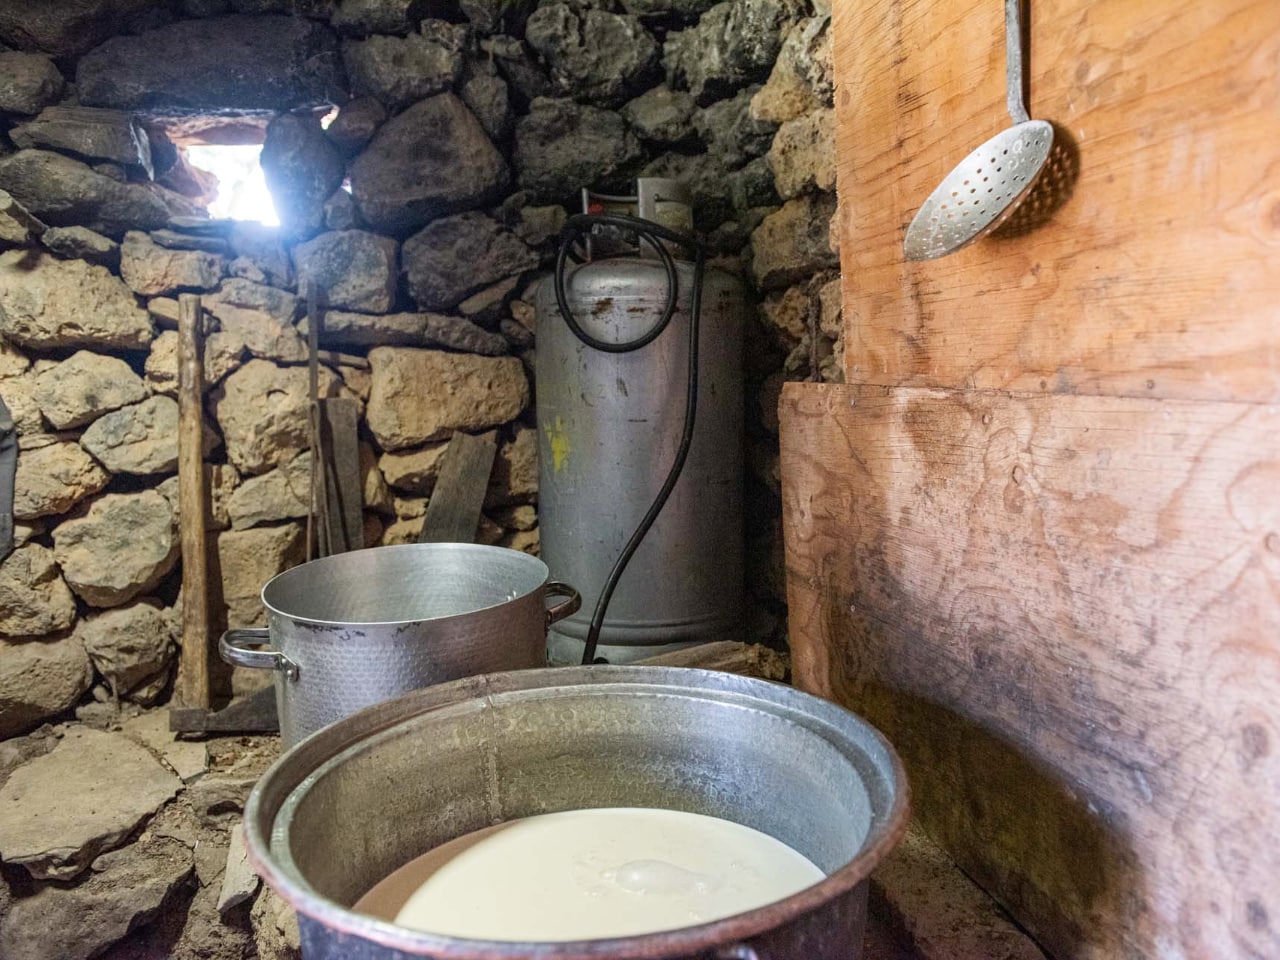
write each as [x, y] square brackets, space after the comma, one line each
[1051, 192]
[1021, 834]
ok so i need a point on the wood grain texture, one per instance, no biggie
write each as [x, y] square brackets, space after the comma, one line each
[453, 512]
[1173, 114]
[1065, 613]
[193, 666]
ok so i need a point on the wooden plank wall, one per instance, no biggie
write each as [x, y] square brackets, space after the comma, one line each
[1036, 537]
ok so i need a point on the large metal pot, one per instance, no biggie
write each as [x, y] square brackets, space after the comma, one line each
[358, 628]
[345, 808]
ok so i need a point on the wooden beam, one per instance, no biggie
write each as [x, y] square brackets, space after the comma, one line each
[1065, 614]
[453, 512]
[193, 668]
[1155, 272]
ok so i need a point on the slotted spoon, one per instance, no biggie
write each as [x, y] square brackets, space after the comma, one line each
[986, 187]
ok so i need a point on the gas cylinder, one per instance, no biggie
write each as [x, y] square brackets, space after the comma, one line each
[609, 425]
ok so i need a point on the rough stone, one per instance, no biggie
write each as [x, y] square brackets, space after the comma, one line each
[792, 244]
[562, 145]
[526, 541]
[421, 395]
[340, 211]
[46, 303]
[64, 192]
[275, 928]
[248, 559]
[220, 481]
[222, 354]
[413, 471]
[537, 225]
[28, 82]
[801, 79]
[263, 246]
[751, 188]
[67, 28]
[13, 362]
[803, 155]
[734, 43]
[432, 160]
[126, 890]
[90, 134]
[363, 17]
[52, 479]
[151, 270]
[233, 62]
[356, 269]
[315, 9]
[85, 386]
[81, 243]
[260, 318]
[790, 313]
[485, 306]
[594, 56]
[128, 645]
[261, 410]
[661, 115]
[34, 599]
[487, 96]
[280, 494]
[401, 531]
[401, 70]
[302, 168]
[140, 439]
[119, 549]
[494, 16]
[517, 65]
[18, 227]
[355, 124]
[239, 882]
[515, 470]
[455, 256]
[518, 517]
[179, 240]
[688, 9]
[84, 797]
[187, 758]
[342, 329]
[19, 394]
[830, 296]
[730, 132]
[40, 679]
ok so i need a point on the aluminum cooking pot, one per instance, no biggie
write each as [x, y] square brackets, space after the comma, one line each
[349, 805]
[358, 628]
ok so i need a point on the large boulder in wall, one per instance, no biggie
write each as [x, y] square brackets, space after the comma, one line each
[240, 62]
[434, 159]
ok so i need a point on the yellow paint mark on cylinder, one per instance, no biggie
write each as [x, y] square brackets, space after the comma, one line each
[558, 438]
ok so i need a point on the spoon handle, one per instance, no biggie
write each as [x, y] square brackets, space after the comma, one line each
[1014, 75]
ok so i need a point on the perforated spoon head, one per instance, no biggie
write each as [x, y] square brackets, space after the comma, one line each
[981, 192]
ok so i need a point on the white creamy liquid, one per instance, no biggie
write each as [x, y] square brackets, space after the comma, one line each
[588, 874]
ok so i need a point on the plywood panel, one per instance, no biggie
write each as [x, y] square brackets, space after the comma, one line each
[1065, 612]
[1159, 275]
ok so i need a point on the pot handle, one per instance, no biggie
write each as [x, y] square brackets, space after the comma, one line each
[235, 647]
[568, 608]
[739, 951]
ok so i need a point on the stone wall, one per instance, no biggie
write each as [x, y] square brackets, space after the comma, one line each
[428, 209]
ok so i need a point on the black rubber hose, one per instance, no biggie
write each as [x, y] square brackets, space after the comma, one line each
[650, 233]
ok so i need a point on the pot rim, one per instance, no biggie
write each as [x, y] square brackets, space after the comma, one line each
[716, 935]
[338, 558]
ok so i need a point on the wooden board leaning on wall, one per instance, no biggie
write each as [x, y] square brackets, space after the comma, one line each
[1163, 253]
[1065, 614]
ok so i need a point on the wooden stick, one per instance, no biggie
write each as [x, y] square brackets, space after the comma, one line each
[193, 671]
[315, 526]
